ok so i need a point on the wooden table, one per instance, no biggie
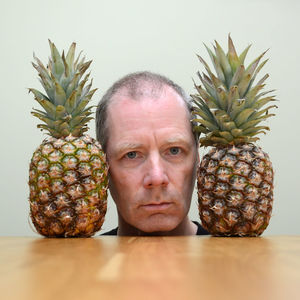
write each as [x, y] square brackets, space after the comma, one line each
[150, 268]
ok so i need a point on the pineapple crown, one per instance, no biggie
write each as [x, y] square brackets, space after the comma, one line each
[67, 95]
[228, 107]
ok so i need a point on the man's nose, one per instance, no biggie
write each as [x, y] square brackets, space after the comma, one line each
[156, 174]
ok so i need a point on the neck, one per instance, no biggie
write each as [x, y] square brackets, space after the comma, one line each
[186, 227]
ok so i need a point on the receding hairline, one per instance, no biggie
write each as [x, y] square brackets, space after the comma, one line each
[124, 93]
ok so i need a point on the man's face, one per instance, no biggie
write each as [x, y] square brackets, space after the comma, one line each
[152, 158]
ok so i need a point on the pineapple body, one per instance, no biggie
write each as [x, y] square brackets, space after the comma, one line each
[68, 187]
[235, 190]
[235, 179]
[68, 172]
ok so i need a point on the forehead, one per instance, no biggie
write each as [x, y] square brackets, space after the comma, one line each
[163, 118]
[165, 102]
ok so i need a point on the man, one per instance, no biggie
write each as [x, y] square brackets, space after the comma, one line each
[143, 124]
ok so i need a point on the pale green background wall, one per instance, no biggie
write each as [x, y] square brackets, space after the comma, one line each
[161, 36]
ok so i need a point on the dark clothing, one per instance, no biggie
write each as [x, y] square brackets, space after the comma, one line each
[112, 232]
[200, 230]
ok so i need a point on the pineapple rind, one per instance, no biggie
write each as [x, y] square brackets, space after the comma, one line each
[68, 187]
[235, 190]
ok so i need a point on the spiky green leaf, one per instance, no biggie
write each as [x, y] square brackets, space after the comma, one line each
[232, 56]
[57, 64]
[222, 58]
[243, 116]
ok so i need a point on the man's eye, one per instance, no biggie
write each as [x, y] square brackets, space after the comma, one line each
[131, 155]
[174, 150]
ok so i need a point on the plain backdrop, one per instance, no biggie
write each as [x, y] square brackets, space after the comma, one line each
[161, 36]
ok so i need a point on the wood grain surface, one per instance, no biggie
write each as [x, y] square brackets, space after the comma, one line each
[150, 268]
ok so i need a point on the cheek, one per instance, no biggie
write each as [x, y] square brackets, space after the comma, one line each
[185, 179]
[123, 186]
[124, 179]
[187, 173]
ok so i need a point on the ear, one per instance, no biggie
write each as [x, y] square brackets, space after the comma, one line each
[197, 158]
[198, 155]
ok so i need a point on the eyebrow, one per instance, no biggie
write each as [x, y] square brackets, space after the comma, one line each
[178, 140]
[125, 146]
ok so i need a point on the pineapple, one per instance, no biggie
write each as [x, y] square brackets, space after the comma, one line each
[68, 172]
[235, 178]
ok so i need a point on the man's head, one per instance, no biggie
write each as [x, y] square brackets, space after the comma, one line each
[143, 124]
[136, 85]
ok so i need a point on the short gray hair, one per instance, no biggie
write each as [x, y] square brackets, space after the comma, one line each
[135, 85]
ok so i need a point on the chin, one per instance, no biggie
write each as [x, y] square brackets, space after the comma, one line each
[165, 225]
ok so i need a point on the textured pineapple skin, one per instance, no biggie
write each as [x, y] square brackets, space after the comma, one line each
[68, 187]
[235, 190]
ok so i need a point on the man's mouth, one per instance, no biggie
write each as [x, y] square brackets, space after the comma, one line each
[157, 206]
